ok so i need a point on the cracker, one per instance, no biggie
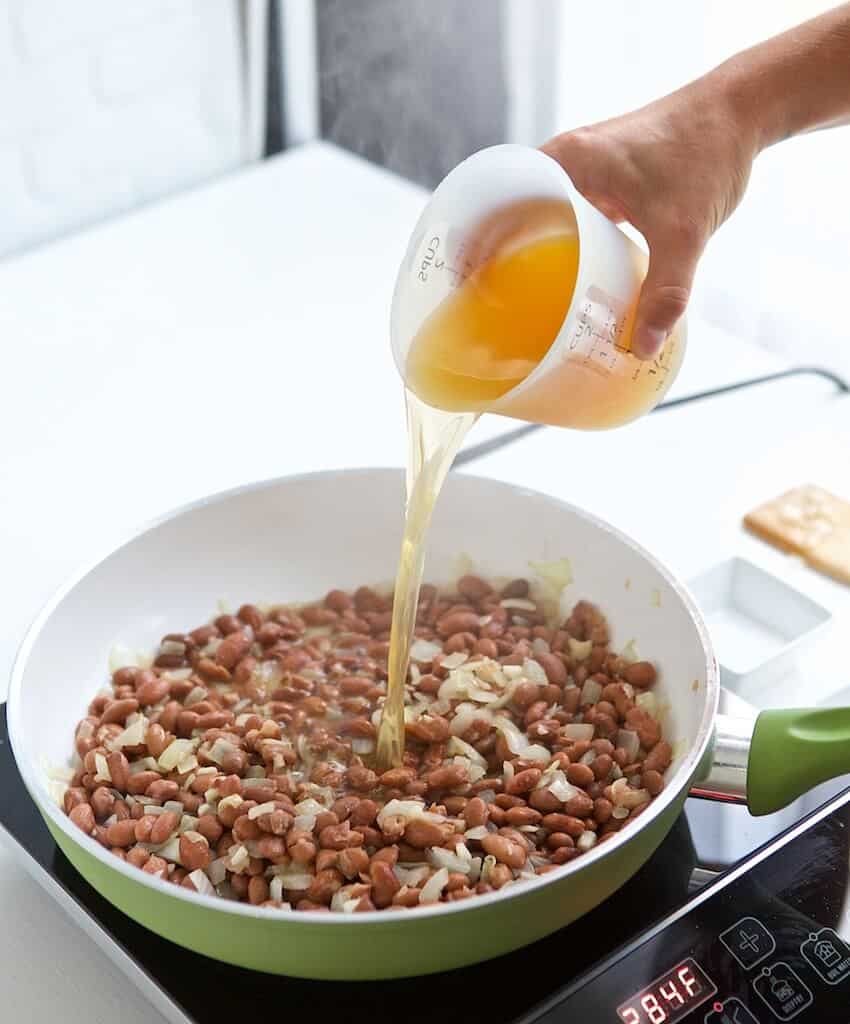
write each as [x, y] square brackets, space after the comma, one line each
[798, 519]
[810, 522]
[832, 555]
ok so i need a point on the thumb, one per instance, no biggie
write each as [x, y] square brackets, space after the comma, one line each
[664, 295]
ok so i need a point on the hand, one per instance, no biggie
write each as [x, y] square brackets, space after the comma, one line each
[675, 170]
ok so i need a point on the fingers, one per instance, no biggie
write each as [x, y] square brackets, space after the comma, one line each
[610, 177]
[665, 292]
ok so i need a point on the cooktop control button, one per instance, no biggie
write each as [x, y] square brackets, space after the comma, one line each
[748, 941]
[783, 990]
[730, 1011]
[828, 955]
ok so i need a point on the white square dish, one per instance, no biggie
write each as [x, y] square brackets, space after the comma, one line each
[758, 623]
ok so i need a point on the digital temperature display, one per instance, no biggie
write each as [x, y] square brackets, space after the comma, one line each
[669, 998]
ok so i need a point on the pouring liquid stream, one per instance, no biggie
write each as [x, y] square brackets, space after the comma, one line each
[484, 339]
[434, 439]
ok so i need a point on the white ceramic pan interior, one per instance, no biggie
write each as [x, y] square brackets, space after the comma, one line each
[296, 538]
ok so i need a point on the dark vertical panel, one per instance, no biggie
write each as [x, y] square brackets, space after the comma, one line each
[275, 127]
[415, 85]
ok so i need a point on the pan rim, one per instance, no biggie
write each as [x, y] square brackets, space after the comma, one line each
[30, 771]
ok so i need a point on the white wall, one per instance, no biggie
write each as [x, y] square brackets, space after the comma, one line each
[105, 104]
[779, 270]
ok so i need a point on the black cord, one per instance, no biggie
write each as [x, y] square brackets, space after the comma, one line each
[478, 451]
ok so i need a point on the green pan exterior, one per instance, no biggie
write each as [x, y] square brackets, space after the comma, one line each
[403, 945]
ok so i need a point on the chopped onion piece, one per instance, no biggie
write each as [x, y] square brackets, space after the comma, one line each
[458, 746]
[238, 859]
[407, 809]
[520, 603]
[590, 692]
[620, 812]
[201, 883]
[648, 703]
[219, 751]
[588, 758]
[630, 653]
[424, 650]
[188, 823]
[176, 675]
[586, 841]
[296, 879]
[172, 647]
[518, 743]
[173, 805]
[170, 850]
[411, 875]
[623, 795]
[340, 898]
[507, 770]
[132, 736]
[147, 764]
[309, 806]
[540, 646]
[487, 795]
[122, 657]
[187, 765]
[253, 847]
[557, 575]
[534, 672]
[579, 649]
[462, 684]
[234, 801]
[561, 789]
[455, 660]
[433, 888]
[175, 752]
[479, 832]
[261, 809]
[195, 696]
[304, 821]
[217, 871]
[577, 731]
[441, 858]
[629, 740]
[102, 772]
[256, 779]
[465, 715]
[276, 889]
[362, 745]
[487, 866]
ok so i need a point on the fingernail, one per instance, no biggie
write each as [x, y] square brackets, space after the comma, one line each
[647, 341]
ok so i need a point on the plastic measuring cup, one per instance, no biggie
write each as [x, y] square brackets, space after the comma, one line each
[588, 378]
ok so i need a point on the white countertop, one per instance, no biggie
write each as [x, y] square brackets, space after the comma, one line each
[240, 332]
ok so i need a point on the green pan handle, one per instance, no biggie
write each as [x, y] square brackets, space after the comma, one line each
[792, 750]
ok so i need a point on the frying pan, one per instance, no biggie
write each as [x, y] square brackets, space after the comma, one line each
[294, 539]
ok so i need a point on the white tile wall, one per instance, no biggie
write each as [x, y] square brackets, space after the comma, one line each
[105, 104]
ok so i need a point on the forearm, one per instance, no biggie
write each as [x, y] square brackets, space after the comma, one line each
[794, 83]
